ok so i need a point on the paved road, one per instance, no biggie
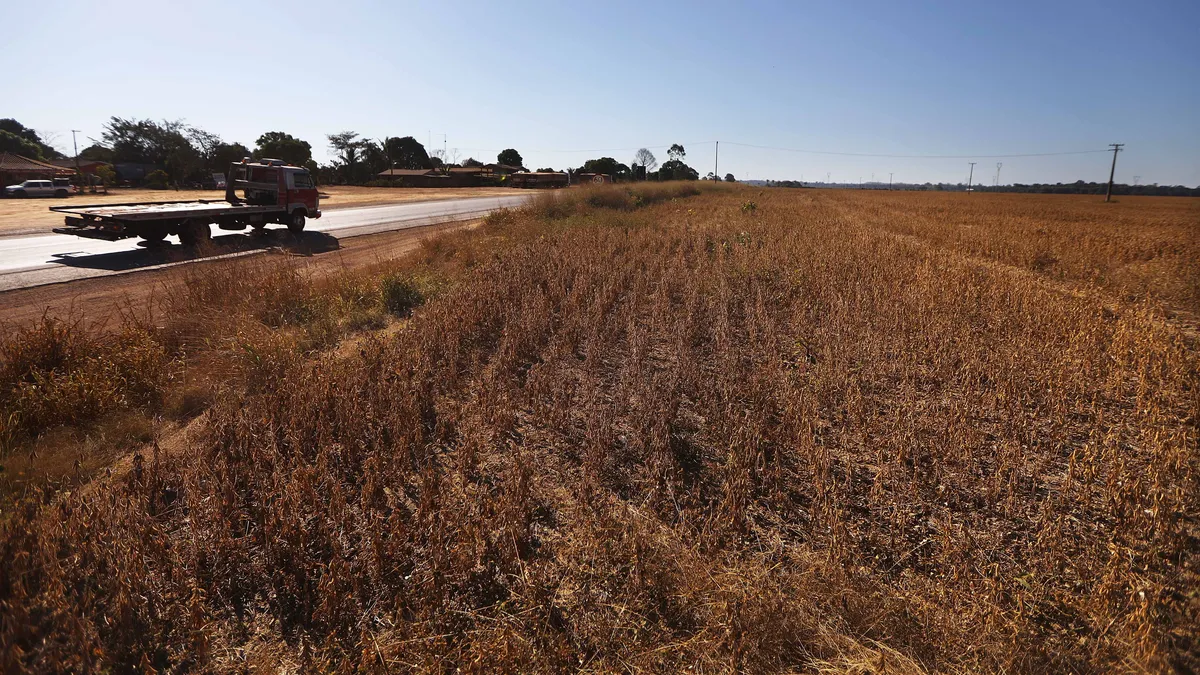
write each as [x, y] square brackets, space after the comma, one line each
[54, 258]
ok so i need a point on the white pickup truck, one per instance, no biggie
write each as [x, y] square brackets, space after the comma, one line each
[38, 188]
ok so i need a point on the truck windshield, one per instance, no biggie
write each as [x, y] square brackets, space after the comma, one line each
[302, 181]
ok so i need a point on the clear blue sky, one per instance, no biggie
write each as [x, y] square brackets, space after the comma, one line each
[953, 78]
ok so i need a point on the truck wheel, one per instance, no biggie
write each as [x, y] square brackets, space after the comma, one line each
[154, 237]
[21, 193]
[194, 234]
[295, 224]
[60, 193]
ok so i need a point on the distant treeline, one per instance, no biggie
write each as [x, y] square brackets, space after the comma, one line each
[1077, 188]
[1081, 188]
[162, 153]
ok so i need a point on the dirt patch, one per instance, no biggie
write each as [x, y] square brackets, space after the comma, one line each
[103, 299]
[33, 216]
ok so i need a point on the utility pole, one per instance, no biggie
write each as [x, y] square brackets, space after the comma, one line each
[1116, 148]
[970, 176]
[717, 161]
[1136, 179]
[998, 165]
[827, 178]
[889, 180]
[78, 173]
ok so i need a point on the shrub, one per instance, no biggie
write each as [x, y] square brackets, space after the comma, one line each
[401, 294]
[56, 373]
[157, 179]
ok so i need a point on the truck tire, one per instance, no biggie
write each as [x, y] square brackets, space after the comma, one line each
[60, 193]
[194, 233]
[21, 193]
[154, 237]
[295, 224]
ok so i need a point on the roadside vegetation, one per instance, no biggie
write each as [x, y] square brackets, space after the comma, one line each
[632, 428]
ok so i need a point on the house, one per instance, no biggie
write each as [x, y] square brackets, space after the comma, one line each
[414, 177]
[15, 168]
[86, 166]
[485, 171]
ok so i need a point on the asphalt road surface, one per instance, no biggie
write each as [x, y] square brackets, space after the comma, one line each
[55, 258]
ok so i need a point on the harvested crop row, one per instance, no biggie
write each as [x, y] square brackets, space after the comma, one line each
[747, 431]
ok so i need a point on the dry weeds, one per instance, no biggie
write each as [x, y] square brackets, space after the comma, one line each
[803, 436]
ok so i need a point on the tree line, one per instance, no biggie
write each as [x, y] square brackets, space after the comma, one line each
[178, 153]
[182, 154]
[645, 167]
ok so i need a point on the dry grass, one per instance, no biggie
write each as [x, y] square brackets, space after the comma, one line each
[803, 435]
[22, 216]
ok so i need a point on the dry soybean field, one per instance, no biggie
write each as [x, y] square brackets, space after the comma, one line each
[661, 428]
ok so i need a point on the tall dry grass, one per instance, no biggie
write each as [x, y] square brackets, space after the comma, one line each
[693, 435]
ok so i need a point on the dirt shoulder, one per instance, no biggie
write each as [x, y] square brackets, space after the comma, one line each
[100, 301]
[33, 216]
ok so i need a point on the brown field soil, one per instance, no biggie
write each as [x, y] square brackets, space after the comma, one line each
[654, 429]
[32, 216]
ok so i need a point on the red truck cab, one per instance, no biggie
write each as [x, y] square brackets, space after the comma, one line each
[270, 182]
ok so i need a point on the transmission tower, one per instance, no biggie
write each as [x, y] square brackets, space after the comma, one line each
[998, 165]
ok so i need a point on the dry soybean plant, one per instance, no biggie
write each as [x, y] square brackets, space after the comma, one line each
[661, 432]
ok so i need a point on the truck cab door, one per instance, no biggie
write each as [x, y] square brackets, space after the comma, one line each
[302, 192]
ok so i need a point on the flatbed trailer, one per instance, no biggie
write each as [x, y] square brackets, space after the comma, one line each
[274, 193]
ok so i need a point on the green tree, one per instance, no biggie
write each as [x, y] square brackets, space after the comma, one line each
[374, 158]
[164, 144]
[675, 169]
[278, 145]
[106, 174]
[157, 179]
[606, 165]
[676, 152]
[510, 157]
[16, 128]
[18, 145]
[471, 161]
[97, 152]
[407, 153]
[729, 178]
[349, 148]
[225, 154]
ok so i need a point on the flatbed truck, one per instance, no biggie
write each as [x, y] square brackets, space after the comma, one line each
[273, 192]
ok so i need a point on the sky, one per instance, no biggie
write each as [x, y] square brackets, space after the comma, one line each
[565, 82]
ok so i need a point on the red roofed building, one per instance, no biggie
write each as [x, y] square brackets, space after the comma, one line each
[15, 168]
